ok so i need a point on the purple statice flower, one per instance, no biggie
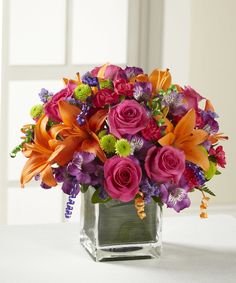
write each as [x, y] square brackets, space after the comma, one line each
[149, 189]
[174, 196]
[132, 72]
[193, 176]
[142, 91]
[84, 112]
[74, 101]
[210, 124]
[175, 102]
[85, 168]
[90, 80]
[45, 95]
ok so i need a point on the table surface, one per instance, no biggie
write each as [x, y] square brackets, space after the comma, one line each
[194, 250]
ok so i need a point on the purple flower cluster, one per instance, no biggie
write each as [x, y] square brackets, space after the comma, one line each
[45, 95]
[174, 196]
[150, 189]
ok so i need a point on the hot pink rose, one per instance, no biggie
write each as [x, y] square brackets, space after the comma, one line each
[165, 164]
[104, 97]
[128, 117]
[122, 178]
[51, 107]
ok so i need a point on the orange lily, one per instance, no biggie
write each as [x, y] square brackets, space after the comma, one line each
[42, 153]
[187, 139]
[85, 137]
[160, 80]
[216, 137]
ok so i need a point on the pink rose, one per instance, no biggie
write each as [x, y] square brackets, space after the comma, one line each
[51, 107]
[104, 97]
[128, 117]
[165, 164]
[124, 88]
[122, 178]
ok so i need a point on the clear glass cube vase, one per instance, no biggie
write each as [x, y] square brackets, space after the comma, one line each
[113, 231]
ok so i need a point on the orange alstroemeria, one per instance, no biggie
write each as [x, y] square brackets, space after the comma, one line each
[77, 81]
[188, 139]
[42, 153]
[160, 80]
[84, 136]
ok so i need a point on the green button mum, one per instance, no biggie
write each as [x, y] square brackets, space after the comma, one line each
[36, 111]
[81, 92]
[107, 143]
[123, 148]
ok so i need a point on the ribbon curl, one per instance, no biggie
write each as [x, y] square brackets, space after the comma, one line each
[139, 205]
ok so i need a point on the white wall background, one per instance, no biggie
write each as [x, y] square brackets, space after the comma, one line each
[48, 39]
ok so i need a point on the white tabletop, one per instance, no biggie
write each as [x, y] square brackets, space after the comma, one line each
[194, 250]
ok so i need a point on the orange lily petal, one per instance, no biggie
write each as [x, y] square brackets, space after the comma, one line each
[186, 125]
[169, 125]
[96, 121]
[68, 112]
[198, 137]
[47, 176]
[197, 156]
[102, 70]
[91, 145]
[77, 81]
[32, 167]
[214, 138]
[41, 136]
[140, 78]
[209, 106]
[64, 150]
[56, 129]
[160, 80]
[168, 139]
[179, 88]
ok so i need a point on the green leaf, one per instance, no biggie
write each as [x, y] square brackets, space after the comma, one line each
[97, 199]
[156, 112]
[211, 171]
[217, 172]
[157, 200]
[84, 188]
[208, 191]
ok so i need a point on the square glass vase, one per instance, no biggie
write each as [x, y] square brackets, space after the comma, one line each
[113, 231]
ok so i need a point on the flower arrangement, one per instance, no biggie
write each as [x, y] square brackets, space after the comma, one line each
[130, 136]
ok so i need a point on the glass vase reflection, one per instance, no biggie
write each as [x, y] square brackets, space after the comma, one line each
[113, 230]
